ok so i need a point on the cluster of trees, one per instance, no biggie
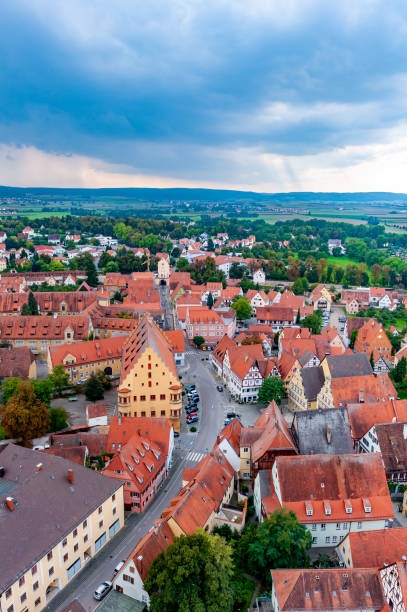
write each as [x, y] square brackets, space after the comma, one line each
[26, 412]
[31, 307]
[202, 272]
[272, 389]
[209, 572]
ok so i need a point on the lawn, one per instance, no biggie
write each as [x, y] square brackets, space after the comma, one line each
[341, 261]
[43, 215]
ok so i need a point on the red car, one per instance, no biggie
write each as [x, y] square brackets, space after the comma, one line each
[191, 415]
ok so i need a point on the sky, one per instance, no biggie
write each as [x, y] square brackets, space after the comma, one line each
[271, 95]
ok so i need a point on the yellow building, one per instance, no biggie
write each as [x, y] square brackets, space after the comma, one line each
[83, 359]
[149, 384]
[55, 517]
[303, 388]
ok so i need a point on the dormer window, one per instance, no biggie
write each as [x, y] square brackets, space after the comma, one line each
[348, 506]
[327, 508]
[367, 505]
[309, 508]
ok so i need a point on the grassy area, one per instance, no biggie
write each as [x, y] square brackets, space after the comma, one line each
[342, 261]
[402, 394]
[44, 215]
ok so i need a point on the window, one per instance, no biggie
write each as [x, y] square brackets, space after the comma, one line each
[114, 527]
[50, 571]
[100, 524]
[23, 597]
[128, 578]
[37, 601]
[334, 539]
[153, 413]
[359, 524]
[152, 397]
[314, 527]
[65, 557]
[162, 412]
[100, 542]
[75, 548]
[327, 540]
[10, 608]
[85, 538]
[65, 542]
[85, 524]
[113, 497]
[49, 556]
[114, 511]
[142, 398]
[246, 449]
[33, 570]
[35, 585]
[162, 396]
[8, 593]
[21, 581]
[345, 525]
[100, 509]
[338, 525]
[323, 526]
[75, 533]
[75, 567]
[314, 540]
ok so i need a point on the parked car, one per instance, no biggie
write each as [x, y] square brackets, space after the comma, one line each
[193, 419]
[103, 590]
[227, 421]
[232, 415]
[118, 567]
[191, 410]
[342, 319]
[72, 399]
[194, 396]
[190, 387]
[219, 388]
[176, 434]
[342, 329]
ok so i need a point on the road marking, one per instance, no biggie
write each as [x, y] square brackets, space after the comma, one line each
[194, 456]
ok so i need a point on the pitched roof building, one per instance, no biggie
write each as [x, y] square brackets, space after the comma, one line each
[19, 362]
[149, 384]
[374, 548]
[323, 431]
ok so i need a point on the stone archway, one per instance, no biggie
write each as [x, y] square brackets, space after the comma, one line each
[108, 371]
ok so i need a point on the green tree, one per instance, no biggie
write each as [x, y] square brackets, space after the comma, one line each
[58, 419]
[209, 301]
[104, 379]
[44, 390]
[279, 541]
[273, 388]
[352, 339]
[198, 341]
[371, 359]
[25, 416]
[60, 379]
[9, 387]
[93, 389]
[243, 308]
[32, 304]
[312, 322]
[194, 574]
[398, 374]
[25, 310]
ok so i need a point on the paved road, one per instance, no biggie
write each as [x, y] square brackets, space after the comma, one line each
[190, 448]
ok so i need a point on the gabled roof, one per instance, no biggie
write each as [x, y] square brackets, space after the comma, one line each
[276, 435]
[312, 381]
[378, 547]
[15, 361]
[232, 433]
[337, 479]
[89, 351]
[327, 589]
[176, 340]
[274, 312]
[242, 358]
[220, 350]
[323, 431]
[146, 335]
[203, 315]
[344, 366]
[392, 438]
[44, 327]
[375, 387]
[363, 416]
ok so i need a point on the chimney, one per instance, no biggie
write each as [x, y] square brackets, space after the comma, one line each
[119, 420]
[405, 431]
[70, 476]
[10, 503]
[361, 396]
[156, 530]
[38, 467]
[329, 433]
[139, 563]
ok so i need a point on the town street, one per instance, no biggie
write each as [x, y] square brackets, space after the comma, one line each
[190, 448]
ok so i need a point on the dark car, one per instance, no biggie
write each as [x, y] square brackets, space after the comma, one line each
[219, 388]
[190, 387]
[192, 420]
[232, 415]
[191, 410]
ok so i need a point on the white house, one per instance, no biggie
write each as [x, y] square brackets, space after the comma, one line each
[96, 414]
[259, 277]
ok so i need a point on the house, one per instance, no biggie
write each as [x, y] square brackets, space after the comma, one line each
[321, 298]
[80, 509]
[372, 548]
[214, 288]
[149, 384]
[206, 323]
[44, 249]
[72, 238]
[218, 353]
[276, 316]
[28, 232]
[303, 388]
[372, 340]
[3, 264]
[175, 338]
[352, 326]
[269, 438]
[322, 432]
[363, 418]
[38, 333]
[241, 371]
[142, 454]
[334, 243]
[205, 501]
[163, 267]
[330, 494]
[54, 239]
[319, 590]
[259, 277]
[362, 296]
[353, 306]
[394, 584]
[17, 362]
[257, 298]
[81, 360]
[96, 414]
[392, 444]
[383, 298]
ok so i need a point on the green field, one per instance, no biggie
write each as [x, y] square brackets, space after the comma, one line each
[342, 261]
[44, 215]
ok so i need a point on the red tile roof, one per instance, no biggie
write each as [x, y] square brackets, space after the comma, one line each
[98, 409]
[89, 351]
[378, 547]
[376, 387]
[176, 340]
[15, 361]
[363, 416]
[44, 327]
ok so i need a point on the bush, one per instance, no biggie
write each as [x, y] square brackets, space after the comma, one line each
[193, 429]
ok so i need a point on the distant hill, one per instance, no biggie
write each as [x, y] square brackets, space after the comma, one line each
[208, 195]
